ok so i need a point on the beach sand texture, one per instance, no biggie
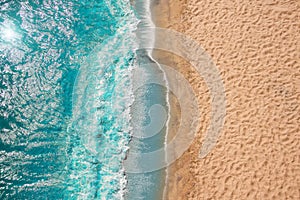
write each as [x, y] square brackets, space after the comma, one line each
[256, 47]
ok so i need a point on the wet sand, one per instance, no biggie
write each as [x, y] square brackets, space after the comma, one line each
[256, 47]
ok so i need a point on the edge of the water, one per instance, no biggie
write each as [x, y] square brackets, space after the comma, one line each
[160, 12]
[148, 18]
[152, 15]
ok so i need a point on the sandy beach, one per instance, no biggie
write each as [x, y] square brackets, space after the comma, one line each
[256, 47]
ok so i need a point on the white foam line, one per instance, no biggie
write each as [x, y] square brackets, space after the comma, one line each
[148, 6]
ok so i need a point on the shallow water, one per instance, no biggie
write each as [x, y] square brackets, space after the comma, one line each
[149, 129]
[66, 91]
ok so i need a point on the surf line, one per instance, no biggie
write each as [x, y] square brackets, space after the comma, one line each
[150, 52]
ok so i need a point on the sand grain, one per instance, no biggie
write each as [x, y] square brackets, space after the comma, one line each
[256, 46]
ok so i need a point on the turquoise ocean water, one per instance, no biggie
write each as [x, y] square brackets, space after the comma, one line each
[65, 100]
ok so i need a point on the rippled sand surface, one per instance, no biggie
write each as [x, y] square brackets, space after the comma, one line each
[256, 47]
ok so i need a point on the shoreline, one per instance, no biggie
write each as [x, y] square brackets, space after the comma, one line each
[153, 56]
[153, 183]
[161, 16]
[159, 11]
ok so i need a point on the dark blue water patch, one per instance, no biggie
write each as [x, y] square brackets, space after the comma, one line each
[67, 85]
[4, 123]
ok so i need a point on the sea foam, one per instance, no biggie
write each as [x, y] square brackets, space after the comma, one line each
[100, 129]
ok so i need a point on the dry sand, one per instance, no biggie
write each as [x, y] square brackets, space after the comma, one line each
[256, 47]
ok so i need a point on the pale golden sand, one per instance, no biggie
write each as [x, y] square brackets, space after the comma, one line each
[256, 47]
